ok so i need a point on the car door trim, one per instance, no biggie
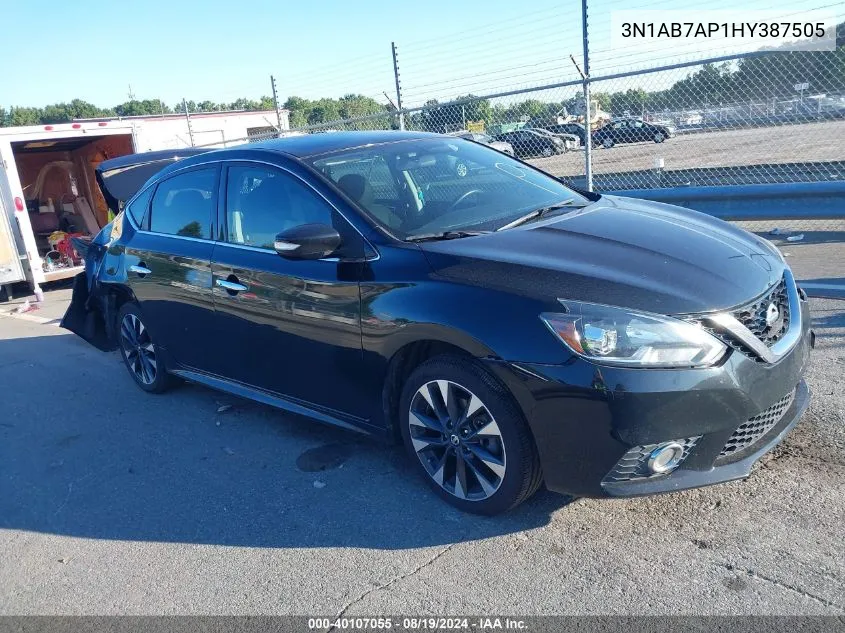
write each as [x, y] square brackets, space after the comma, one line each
[221, 163]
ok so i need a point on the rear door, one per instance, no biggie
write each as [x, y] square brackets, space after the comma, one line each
[169, 263]
[291, 327]
[11, 269]
[639, 131]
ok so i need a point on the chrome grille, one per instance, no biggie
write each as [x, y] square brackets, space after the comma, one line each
[753, 315]
[754, 428]
[634, 464]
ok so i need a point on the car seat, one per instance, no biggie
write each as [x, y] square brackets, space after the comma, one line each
[358, 188]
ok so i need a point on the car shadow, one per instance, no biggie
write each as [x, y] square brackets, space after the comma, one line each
[85, 453]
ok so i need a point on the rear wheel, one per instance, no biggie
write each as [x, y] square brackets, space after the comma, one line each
[139, 351]
[607, 143]
[468, 437]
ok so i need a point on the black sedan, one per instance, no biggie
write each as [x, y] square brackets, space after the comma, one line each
[527, 143]
[512, 332]
[575, 129]
[631, 131]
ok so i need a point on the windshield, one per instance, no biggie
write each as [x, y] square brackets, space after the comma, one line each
[432, 185]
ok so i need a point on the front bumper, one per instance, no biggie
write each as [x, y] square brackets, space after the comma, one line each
[586, 417]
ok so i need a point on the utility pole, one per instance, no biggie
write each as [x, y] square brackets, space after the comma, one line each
[131, 94]
[188, 119]
[398, 86]
[588, 137]
[276, 105]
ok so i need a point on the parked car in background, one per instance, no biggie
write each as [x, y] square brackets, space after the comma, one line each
[527, 143]
[631, 130]
[570, 128]
[570, 141]
[511, 331]
[486, 139]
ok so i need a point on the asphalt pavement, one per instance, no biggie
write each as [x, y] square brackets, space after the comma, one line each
[113, 501]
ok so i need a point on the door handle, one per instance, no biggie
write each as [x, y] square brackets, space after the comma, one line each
[140, 269]
[231, 286]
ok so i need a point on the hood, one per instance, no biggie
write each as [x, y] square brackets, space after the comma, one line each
[618, 251]
[121, 178]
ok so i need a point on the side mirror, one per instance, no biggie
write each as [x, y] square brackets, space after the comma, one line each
[307, 241]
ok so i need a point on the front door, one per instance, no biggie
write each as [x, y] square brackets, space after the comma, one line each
[169, 263]
[291, 327]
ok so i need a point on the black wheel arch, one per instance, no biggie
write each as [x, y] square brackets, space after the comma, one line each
[408, 354]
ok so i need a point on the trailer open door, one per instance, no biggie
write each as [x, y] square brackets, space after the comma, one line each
[11, 269]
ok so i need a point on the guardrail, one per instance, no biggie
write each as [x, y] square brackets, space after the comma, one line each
[793, 201]
[739, 175]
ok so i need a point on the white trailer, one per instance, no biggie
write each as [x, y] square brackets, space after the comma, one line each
[46, 174]
[47, 181]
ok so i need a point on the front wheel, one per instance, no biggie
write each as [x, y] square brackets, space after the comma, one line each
[467, 436]
[607, 143]
[659, 137]
[546, 152]
[139, 351]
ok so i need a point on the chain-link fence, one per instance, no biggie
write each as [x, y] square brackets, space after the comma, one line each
[664, 117]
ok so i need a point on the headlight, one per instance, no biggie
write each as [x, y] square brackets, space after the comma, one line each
[617, 336]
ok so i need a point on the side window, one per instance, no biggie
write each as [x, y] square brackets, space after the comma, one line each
[183, 205]
[138, 207]
[261, 202]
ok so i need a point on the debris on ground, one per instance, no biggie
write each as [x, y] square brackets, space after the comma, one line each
[319, 484]
[795, 238]
[26, 306]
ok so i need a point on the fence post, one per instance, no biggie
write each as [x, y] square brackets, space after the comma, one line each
[398, 86]
[588, 137]
[276, 105]
[188, 119]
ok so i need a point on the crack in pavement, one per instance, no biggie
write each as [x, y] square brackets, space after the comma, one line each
[778, 583]
[389, 583]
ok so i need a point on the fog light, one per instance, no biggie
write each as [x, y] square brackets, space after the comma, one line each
[665, 458]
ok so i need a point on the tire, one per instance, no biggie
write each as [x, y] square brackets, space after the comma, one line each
[607, 143]
[659, 137]
[494, 434]
[546, 152]
[138, 351]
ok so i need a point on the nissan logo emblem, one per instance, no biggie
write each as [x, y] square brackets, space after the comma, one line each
[772, 314]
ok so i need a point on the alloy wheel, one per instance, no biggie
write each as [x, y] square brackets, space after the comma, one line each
[457, 440]
[138, 349]
[658, 137]
[547, 151]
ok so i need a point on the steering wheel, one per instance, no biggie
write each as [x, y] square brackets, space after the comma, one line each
[461, 198]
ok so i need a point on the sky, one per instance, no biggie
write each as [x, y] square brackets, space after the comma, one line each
[221, 50]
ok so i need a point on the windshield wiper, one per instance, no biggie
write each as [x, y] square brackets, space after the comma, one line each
[443, 235]
[537, 214]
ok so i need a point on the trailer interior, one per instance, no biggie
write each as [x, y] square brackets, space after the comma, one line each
[62, 197]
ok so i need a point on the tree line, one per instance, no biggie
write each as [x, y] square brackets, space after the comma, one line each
[762, 78]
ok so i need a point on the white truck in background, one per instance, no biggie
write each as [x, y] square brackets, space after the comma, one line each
[48, 188]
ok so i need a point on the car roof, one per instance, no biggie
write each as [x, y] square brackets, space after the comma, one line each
[324, 143]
